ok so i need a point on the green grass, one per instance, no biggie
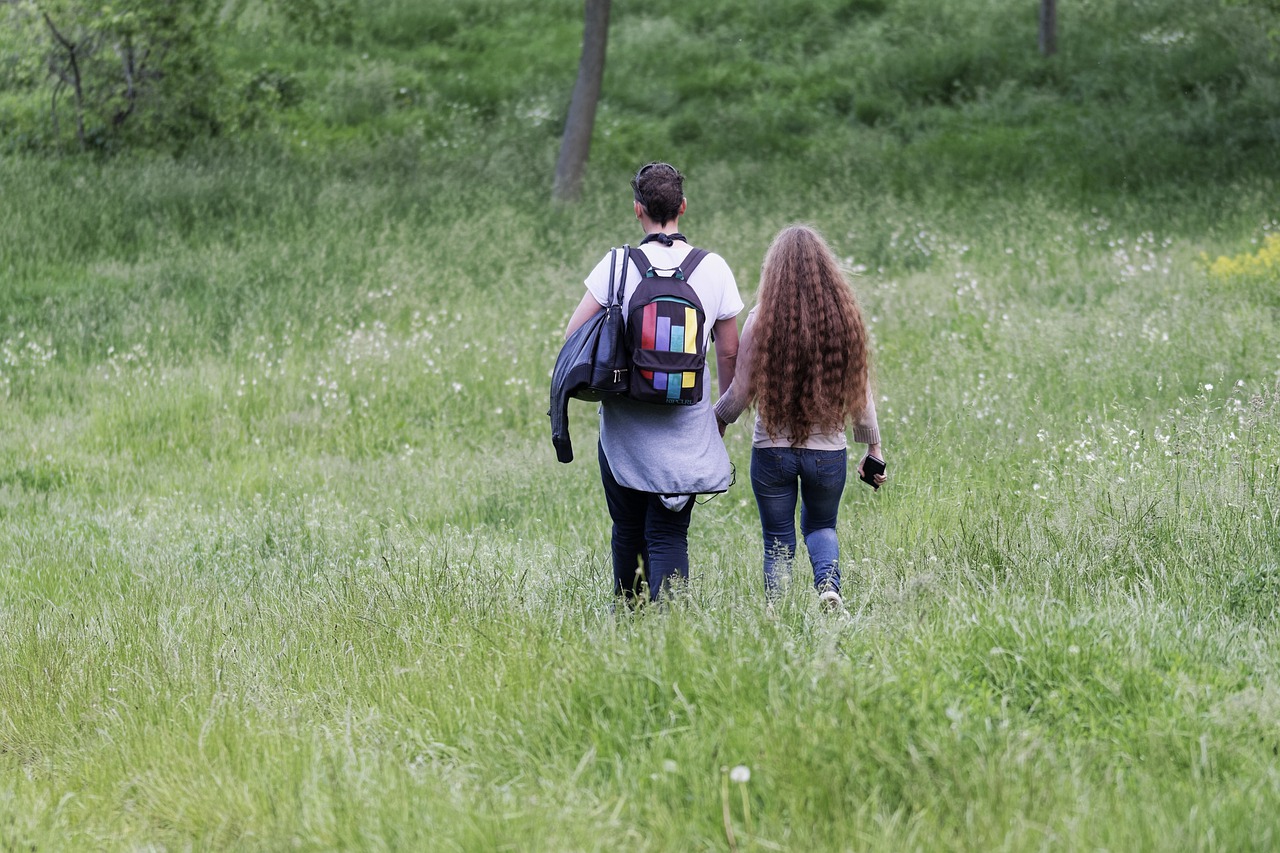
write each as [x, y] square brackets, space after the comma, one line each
[286, 559]
[289, 561]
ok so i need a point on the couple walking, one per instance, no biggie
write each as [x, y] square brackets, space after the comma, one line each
[801, 361]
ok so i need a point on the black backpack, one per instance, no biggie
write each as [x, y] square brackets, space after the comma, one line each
[666, 333]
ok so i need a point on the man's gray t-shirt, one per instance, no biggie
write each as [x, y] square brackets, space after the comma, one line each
[669, 450]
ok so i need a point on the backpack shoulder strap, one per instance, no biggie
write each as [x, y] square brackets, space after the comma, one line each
[691, 261]
[622, 276]
[686, 268]
[618, 283]
[640, 259]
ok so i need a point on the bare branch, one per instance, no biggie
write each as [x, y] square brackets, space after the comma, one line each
[62, 40]
[73, 59]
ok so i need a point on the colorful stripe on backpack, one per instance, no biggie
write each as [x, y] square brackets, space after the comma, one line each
[690, 341]
[658, 334]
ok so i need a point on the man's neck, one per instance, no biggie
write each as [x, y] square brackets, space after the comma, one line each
[651, 227]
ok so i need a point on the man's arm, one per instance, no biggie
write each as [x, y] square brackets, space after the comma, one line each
[726, 335]
[586, 309]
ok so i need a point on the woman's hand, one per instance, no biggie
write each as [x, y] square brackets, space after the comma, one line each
[873, 450]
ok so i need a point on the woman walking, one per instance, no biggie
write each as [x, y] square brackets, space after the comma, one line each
[803, 363]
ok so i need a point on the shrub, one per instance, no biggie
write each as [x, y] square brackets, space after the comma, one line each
[137, 71]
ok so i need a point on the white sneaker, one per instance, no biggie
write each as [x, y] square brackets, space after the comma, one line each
[831, 600]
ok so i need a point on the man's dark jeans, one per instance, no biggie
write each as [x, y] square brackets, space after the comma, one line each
[644, 529]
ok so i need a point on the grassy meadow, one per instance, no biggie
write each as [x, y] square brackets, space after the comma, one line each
[287, 562]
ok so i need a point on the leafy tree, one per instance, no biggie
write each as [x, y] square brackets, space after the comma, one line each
[133, 70]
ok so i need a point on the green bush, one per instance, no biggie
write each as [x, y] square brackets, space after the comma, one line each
[319, 21]
[1139, 94]
[135, 73]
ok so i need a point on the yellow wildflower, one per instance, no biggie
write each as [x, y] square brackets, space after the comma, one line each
[1264, 264]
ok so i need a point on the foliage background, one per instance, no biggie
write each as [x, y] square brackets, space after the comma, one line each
[285, 558]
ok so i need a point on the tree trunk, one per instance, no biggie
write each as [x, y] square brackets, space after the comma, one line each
[73, 50]
[576, 143]
[1048, 27]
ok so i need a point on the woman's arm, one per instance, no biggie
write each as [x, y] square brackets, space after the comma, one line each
[866, 429]
[733, 396]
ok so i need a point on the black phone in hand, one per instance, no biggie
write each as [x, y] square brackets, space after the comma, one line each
[871, 466]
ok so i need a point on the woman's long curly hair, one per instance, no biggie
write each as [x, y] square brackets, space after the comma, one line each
[809, 368]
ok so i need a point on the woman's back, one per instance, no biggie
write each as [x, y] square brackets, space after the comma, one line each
[809, 352]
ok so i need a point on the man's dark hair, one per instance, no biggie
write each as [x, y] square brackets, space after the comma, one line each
[660, 188]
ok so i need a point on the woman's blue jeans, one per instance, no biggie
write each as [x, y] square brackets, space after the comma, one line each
[780, 476]
[644, 529]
